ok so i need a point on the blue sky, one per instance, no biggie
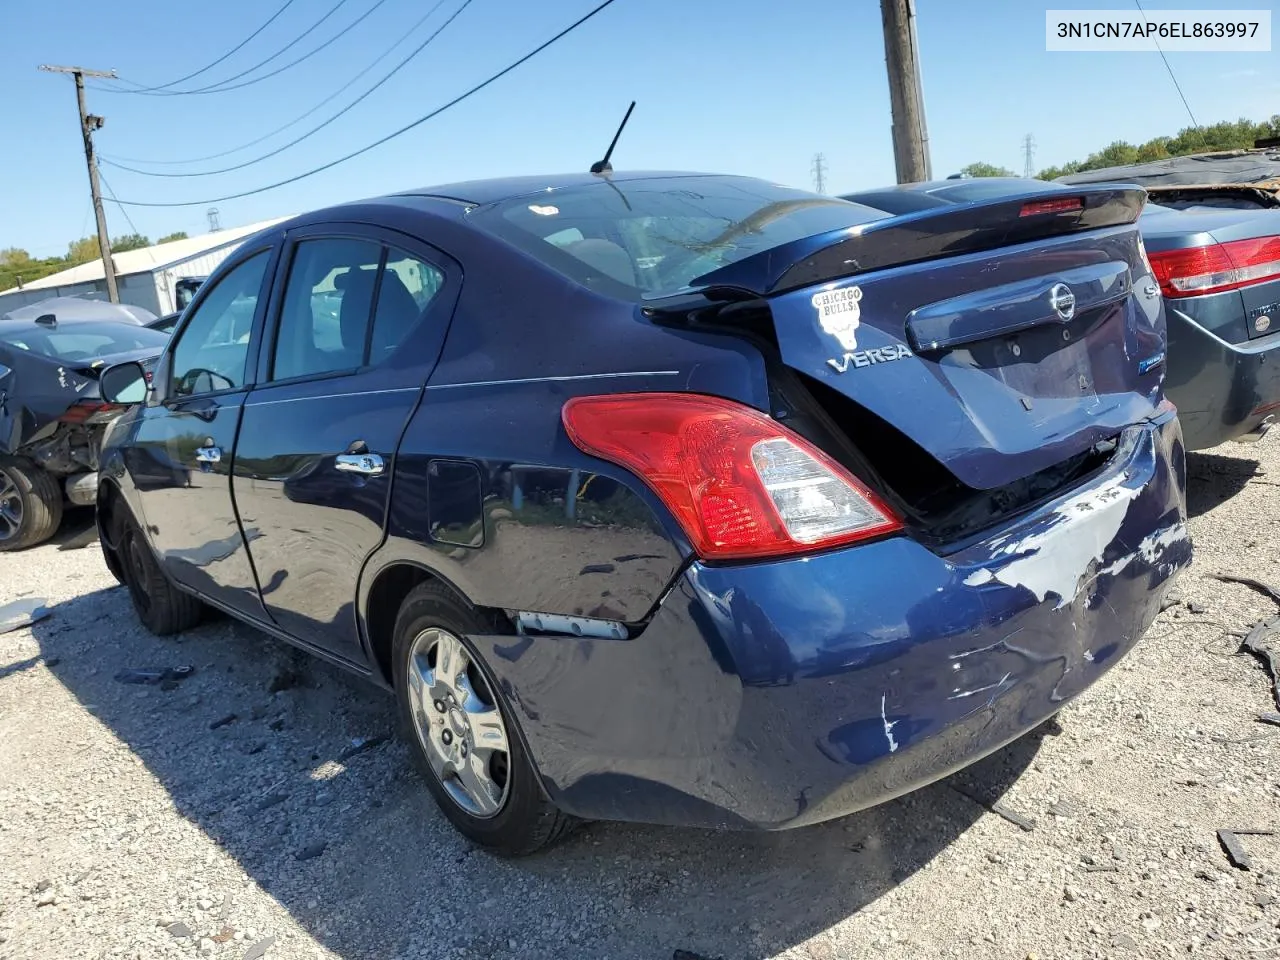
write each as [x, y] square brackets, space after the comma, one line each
[742, 86]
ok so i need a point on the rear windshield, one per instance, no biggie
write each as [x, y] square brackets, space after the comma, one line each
[84, 342]
[652, 238]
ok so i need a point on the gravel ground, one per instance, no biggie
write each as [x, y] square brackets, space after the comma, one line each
[224, 817]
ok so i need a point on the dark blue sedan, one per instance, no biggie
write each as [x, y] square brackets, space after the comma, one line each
[673, 498]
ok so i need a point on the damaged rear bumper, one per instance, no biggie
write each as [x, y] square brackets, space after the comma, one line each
[777, 694]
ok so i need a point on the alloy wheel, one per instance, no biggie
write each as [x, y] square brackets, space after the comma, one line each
[10, 507]
[458, 723]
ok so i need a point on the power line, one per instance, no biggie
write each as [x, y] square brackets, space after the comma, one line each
[296, 120]
[316, 129]
[395, 133]
[237, 47]
[221, 85]
[128, 219]
[1028, 156]
[1195, 123]
[224, 86]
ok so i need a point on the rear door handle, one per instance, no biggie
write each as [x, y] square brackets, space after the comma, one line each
[367, 464]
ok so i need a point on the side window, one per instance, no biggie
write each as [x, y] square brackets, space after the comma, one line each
[408, 286]
[328, 301]
[213, 348]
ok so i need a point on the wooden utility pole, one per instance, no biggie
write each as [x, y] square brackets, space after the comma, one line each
[88, 124]
[906, 99]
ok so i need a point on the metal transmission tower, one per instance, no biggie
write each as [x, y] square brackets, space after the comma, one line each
[215, 224]
[1028, 153]
[88, 124]
[819, 173]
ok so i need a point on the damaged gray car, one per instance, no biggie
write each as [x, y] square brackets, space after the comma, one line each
[52, 415]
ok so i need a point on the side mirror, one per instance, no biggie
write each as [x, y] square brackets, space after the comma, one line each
[124, 383]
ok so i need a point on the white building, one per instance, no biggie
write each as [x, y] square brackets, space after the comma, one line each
[145, 278]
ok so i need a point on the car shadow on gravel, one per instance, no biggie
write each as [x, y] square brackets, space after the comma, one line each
[78, 529]
[277, 758]
[1213, 478]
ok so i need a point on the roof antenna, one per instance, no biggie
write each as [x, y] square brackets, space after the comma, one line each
[603, 166]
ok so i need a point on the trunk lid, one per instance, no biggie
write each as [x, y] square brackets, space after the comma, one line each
[1000, 341]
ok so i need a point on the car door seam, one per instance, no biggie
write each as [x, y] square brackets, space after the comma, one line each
[332, 396]
[557, 379]
[235, 509]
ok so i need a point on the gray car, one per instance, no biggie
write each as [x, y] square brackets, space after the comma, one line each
[1219, 271]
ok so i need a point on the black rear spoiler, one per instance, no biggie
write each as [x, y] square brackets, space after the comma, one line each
[927, 235]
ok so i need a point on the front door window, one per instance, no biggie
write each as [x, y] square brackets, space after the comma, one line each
[213, 348]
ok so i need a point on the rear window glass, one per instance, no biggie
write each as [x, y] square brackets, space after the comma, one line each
[899, 202]
[84, 342]
[653, 238]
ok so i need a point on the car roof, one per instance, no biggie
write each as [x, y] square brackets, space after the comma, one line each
[508, 188]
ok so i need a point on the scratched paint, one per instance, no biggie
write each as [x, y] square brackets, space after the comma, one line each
[1056, 558]
[888, 726]
[1151, 549]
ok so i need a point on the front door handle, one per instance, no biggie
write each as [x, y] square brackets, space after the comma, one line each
[368, 464]
[209, 454]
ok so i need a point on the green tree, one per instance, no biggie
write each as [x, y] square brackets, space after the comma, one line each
[180, 235]
[1115, 154]
[82, 251]
[130, 241]
[981, 169]
[16, 265]
[1224, 135]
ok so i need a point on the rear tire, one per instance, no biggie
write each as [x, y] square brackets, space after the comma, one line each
[162, 607]
[30, 504]
[525, 820]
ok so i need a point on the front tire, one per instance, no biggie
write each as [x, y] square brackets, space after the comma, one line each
[30, 504]
[162, 607]
[463, 739]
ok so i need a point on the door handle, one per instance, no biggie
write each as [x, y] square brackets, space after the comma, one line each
[368, 464]
[209, 454]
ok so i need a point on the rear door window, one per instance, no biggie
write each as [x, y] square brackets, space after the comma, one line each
[349, 304]
[327, 309]
[408, 286]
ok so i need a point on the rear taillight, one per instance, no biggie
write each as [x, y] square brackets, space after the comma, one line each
[1035, 207]
[740, 484]
[1219, 266]
[90, 412]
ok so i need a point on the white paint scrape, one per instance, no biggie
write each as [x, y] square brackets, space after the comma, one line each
[1150, 549]
[888, 727]
[1056, 559]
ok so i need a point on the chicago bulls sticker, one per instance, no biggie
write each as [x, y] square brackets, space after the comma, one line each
[840, 315]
